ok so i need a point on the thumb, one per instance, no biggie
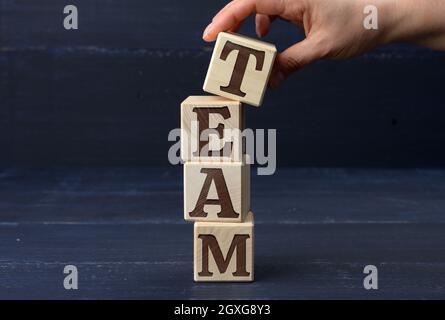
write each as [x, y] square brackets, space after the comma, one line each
[294, 58]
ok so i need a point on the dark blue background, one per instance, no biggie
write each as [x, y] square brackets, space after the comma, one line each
[109, 93]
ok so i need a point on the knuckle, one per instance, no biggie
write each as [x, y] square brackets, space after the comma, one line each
[292, 63]
[324, 47]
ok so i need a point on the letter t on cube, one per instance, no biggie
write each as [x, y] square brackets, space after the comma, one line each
[240, 68]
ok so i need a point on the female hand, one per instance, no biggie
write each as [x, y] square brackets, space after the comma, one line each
[335, 28]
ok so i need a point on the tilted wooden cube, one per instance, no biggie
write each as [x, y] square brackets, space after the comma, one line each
[240, 68]
[224, 251]
[218, 115]
[216, 191]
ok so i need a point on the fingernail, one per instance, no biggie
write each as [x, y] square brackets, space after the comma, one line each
[207, 31]
[258, 33]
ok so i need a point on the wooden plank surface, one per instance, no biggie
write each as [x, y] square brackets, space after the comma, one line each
[315, 230]
[98, 95]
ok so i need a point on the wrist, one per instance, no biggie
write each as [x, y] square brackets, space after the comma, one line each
[387, 18]
[415, 21]
[393, 15]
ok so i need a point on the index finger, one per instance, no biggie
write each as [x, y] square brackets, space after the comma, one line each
[237, 12]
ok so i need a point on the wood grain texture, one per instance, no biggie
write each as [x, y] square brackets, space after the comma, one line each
[98, 96]
[232, 191]
[237, 73]
[196, 116]
[137, 194]
[229, 266]
[315, 230]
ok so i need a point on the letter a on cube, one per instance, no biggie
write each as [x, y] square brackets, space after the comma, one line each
[224, 251]
[216, 191]
[240, 68]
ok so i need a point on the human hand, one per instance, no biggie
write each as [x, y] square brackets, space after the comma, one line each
[334, 28]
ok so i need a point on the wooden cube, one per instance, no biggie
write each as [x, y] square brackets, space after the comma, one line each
[224, 251]
[217, 115]
[240, 68]
[217, 192]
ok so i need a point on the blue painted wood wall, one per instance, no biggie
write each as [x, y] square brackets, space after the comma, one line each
[109, 93]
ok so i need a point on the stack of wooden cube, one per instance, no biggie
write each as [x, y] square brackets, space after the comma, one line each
[216, 168]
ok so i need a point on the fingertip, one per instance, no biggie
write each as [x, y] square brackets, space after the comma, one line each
[257, 26]
[258, 32]
[207, 34]
[262, 25]
[207, 38]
